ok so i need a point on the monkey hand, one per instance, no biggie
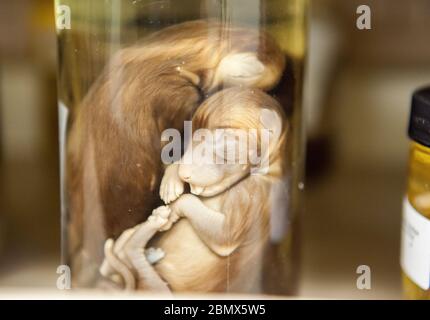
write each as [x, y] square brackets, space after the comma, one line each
[172, 187]
[171, 217]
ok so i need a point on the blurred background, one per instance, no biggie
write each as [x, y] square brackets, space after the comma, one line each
[357, 100]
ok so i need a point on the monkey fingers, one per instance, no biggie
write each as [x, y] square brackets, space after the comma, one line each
[173, 218]
[190, 76]
[166, 212]
[172, 187]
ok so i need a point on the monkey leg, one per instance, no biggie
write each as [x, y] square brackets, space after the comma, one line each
[148, 278]
[118, 269]
[115, 269]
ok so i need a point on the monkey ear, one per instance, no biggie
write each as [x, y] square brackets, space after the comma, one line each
[271, 121]
[241, 68]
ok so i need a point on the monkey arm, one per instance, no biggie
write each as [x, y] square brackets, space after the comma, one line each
[134, 249]
[128, 260]
[210, 225]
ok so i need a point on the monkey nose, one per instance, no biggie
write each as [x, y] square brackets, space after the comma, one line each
[185, 173]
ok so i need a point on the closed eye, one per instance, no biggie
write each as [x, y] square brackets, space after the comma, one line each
[227, 151]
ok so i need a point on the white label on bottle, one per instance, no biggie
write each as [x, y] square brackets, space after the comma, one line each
[63, 115]
[415, 254]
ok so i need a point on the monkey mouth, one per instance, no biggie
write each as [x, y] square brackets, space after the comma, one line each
[196, 190]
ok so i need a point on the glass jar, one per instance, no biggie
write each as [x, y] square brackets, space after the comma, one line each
[144, 87]
[416, 216]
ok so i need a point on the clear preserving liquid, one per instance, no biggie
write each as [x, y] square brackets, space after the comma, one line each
[99, 30]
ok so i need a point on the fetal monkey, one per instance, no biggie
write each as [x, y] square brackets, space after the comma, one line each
[113, 159]
[217, 234]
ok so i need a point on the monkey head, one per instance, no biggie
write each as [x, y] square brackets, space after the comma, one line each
[236, 132]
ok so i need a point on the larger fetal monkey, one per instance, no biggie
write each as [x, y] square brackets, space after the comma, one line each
[113, 165]
[218, 243]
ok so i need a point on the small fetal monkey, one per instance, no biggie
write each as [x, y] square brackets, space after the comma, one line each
[211, 240]
[113, 159]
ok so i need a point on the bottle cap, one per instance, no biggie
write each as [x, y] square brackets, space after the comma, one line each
[419, 125]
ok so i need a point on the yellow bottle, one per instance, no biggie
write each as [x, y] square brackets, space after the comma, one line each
[415, 257]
